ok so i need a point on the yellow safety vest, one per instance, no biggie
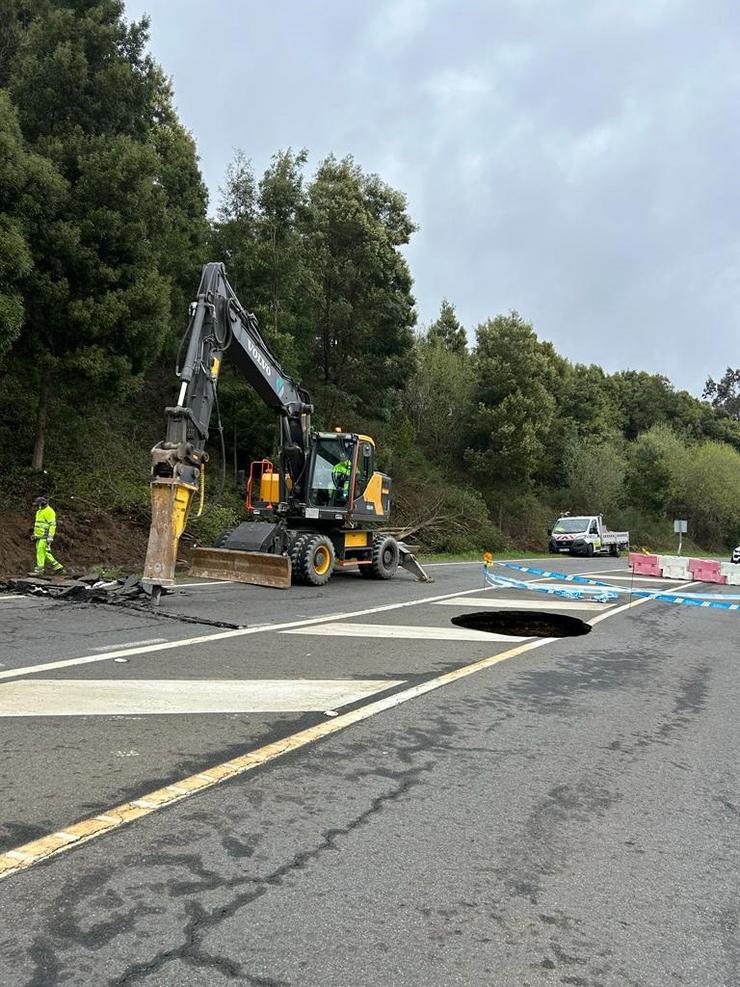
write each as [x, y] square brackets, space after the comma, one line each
[45, 523]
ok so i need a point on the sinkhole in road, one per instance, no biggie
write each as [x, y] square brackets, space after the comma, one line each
[523, 623]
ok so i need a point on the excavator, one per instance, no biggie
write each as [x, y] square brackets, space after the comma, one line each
[317, 507]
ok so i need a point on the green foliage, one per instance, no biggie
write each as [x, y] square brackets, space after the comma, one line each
[595, 470]
[29, 186]
[214, 520]
[725, 393]
[655, 463]
[709, 488]
[515, 375]
[447, 331]
[128, 208]
[437, 400]
[357, 309]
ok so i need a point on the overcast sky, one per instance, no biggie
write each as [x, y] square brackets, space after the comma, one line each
[578, 160]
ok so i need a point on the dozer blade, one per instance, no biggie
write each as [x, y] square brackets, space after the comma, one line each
[257, 568]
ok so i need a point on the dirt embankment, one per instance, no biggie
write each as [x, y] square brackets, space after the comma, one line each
[83, 540]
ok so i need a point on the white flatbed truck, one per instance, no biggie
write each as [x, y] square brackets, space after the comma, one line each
[586, 535]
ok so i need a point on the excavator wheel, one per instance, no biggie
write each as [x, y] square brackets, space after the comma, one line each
[312, 558]
[384, 558]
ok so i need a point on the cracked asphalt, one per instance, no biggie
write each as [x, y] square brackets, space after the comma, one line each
[568, 816]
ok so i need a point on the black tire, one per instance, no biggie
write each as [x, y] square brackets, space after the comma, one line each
[385, 555]
[312, 558]
[615, 552]
[589, 550]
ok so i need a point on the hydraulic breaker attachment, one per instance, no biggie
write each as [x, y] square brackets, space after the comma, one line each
[408, 561]
[170, 504]
[257, 568]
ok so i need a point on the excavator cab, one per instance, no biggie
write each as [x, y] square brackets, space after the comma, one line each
[340, 483]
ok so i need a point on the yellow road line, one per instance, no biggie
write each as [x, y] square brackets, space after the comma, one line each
[34, 852]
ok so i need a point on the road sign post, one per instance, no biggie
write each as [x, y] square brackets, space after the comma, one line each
[680, 528]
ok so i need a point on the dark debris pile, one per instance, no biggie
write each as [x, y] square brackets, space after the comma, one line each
[86, 589]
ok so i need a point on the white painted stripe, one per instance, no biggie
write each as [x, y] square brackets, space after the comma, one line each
[521, 604]
[140, 697]
[628, 606]
[131, 644]
[14, 596]
[408, 632]
[630, 579]
[221, 636]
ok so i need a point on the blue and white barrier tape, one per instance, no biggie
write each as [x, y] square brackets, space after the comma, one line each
[565, 577]
[613, 593]
[598, 594]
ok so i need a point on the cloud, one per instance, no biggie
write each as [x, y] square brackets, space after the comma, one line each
[577, 162]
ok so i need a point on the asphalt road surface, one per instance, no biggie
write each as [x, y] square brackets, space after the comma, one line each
[349, 790]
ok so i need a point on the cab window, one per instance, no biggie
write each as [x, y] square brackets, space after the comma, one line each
[365, 467]
[332, 472]
[594, 529]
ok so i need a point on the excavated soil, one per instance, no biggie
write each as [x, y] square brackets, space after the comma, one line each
[82, 542]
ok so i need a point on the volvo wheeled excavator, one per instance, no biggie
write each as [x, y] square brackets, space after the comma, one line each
[316, 507]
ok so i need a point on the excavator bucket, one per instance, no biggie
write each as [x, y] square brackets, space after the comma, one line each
[257, 568]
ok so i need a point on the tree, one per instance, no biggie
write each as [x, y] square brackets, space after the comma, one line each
[28, 188]
[709, 489]
[724, 394]
[107, 260]
[357, 308]
[515, 380]
[438, 401]
[447, 331]
[596, 470]
[256, 236]
[656, 461]
[643, 400]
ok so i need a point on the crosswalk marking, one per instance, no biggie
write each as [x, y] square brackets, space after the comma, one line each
[136, 697]
[524, 604]
[409, 632]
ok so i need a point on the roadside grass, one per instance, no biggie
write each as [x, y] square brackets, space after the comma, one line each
[478, 556]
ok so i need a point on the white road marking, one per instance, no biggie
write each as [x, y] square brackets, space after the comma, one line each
[221, 636]
[593, 589]
[137, 697]
[636, 579]
[408, 632]
[522, 604]
[14, 596]
[131, 644]
[634, 603]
